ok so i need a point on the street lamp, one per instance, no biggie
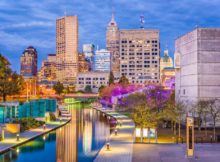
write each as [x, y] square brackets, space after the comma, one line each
[18, 137]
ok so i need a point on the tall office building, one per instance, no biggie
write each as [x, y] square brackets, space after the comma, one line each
[67, 49]
[112, 45]
[29, 62]
[197, 63]
[140, 55]
[102, 60]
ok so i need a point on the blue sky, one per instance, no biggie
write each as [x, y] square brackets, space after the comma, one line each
[32, 22]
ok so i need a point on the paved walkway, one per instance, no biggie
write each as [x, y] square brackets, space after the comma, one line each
[175, 153]
[121, 146]
[10, 141]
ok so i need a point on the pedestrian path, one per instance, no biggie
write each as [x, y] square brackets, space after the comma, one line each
[11, 141]
[121, 145]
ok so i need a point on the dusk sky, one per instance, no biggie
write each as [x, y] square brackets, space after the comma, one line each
[32, 22]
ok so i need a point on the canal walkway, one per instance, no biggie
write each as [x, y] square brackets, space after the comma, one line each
[10, 140]
[121, 145]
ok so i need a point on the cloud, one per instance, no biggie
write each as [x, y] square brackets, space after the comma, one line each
[25, 22]
[27, 25]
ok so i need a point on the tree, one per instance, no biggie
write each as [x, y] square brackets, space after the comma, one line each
[88, 89]
[145, 117]
[202, 112]
[111, 78]
[10, 82]
[58, 87]
[101, 88]
[215, 114]
[123, 80]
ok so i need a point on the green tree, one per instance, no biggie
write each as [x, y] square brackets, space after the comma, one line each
[145, 117]
[58, 87]
[88, 89]
[111, 78]
[101, 88]
[10, 82]
[123, 80]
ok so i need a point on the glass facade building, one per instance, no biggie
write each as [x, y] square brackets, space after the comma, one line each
[101, 60]
[34, 108]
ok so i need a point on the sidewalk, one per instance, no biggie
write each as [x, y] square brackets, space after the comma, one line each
[121, 145]
[11, 141]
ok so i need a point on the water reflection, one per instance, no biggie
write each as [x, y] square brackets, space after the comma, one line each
[81, 139]
[78, 141]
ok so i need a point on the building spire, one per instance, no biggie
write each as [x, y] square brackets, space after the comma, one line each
[113, 22]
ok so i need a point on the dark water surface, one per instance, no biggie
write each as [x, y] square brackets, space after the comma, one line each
[78, 141]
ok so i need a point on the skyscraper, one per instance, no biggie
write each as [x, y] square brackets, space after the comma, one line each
[29, 62]
[112, 45]
[140, 55]
[67, 49]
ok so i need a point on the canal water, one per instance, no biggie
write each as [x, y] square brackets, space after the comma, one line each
[78, 141]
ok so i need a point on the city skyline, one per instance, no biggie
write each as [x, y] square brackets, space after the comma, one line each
[37, 27]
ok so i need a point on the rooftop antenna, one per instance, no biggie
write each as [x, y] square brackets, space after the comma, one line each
[142, 21]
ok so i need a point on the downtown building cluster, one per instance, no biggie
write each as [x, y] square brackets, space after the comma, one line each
[133, 53]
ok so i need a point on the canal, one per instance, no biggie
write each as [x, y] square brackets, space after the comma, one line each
[78, 141]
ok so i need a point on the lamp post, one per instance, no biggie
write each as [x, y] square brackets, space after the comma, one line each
[108, 146]
[44, 126]
[116, 132]
[18, 137]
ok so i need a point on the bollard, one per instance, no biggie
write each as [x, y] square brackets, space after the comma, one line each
[44, 126]
[116, 132]
[60, 120]
[108, 146]
[120, 124]
[18, 137]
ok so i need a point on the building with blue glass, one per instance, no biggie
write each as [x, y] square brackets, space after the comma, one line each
[101, 60]
[34, 109]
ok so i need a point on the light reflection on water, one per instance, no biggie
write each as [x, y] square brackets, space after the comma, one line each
[78, 141]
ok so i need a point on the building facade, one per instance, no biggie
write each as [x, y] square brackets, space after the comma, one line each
[84, 64]
[67, 49]
[112, 45]
[93, 79]
[102, 60]
[48, 69]
[88, 51]
[29, 62]
[167, 71]
[197, 60]
[140, 55]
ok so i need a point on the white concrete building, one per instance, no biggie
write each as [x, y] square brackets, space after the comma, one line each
[93, 79]
[197, 62]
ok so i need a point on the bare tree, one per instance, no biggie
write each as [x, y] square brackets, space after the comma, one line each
[214, 111]
[202, 112]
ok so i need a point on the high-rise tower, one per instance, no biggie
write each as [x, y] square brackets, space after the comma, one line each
[112, 44]
[29, 62]
[67, 49]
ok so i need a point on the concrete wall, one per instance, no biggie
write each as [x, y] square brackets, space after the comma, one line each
[199, 74]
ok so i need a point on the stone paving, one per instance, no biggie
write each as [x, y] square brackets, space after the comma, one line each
[175, 153]
[121, 145]
[10, 141]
